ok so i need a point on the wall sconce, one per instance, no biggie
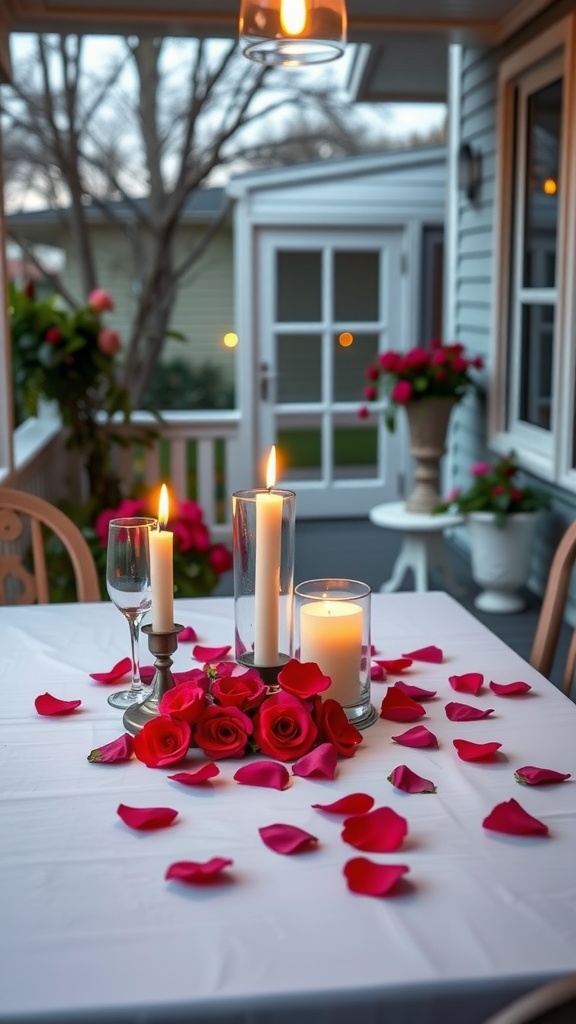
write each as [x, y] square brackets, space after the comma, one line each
[469, 171]
[293, 33]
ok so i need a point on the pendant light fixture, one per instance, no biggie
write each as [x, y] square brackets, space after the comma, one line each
[293, 33]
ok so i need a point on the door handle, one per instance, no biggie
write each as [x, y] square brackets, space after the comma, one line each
[267, 380]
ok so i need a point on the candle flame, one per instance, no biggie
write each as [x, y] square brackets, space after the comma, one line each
[271, 470]
[163, 509]
[293, 16]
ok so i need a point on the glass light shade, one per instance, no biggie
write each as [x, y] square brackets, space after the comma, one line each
[293, 33]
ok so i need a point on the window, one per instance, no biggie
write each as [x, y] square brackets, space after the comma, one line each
[532, 408]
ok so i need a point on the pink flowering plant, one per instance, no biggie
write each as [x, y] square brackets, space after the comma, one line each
[441, 371]
[495, 488]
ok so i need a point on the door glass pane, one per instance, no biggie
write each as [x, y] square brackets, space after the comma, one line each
[355, 450]
[300, 451]
[542, 186]
[352, 354]
[356, 286]
[536, 365]
[299, 368]
[298, 286]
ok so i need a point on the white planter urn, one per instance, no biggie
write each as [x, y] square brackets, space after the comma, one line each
[501, 559]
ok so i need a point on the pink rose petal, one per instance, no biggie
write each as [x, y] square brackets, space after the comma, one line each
[456, 712]
[205, 654]
[120, 669]
[531, 776]
[146, 817]
[405, 779]
[469, 751]
[187, 635]
[418, 736]
[320, 763]
[46, 704]
[200, 777]
[369, 879]
[377, 673]
[192, 675]
[416, 692]
[396, 665]
[287, 838]
[469, 682]
[117, 750]
[509, 689]
[397, 707]
[354, 803]
[431, 654]
[147, 673]
[268, 774]
[379, 831]
[303, 679]
[511, 818]
[197, 872]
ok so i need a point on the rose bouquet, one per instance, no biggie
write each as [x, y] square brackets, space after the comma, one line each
[495, 488]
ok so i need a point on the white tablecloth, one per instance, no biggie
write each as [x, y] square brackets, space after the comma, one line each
[92, 932]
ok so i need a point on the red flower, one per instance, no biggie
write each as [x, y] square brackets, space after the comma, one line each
[220, 559]
[439, 357]
[100, 300]
[126, 509]
[417, 358]
[223, 732]
[369, 393]
[162, 741]
[185, 701]
[246, 691]
[363, 413]
[390, 361]
[284, 728]
[401, 392]
[336, 729]
[109, 341]
[53, 336]
[372, 372]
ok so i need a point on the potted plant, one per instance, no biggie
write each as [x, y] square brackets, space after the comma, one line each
[501, 516]
[427, 383]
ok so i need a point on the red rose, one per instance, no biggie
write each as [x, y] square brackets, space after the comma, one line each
[220, 559]
[109, 341]
[100, 300]
[401, 392]
[459, 364]
[372, 372]
[284, 728]
[369, 393]
[246, 691]
[336, 729]
[390, 361]
[417, 358]
[53, 336]
[223, 732]
[185, 701]
[162, 741]
[363, 413]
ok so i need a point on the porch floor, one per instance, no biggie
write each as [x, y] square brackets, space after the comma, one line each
[357, 549]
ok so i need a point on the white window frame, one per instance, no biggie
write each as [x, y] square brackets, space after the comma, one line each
[546, 452]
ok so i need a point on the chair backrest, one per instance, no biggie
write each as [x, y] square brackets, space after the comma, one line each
[553, 1003]
[20, 511]
[553, 610]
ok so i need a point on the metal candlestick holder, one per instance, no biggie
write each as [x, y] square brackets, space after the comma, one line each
[161, 645]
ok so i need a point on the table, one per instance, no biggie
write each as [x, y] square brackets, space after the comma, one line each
[422, 548]
[92, 933]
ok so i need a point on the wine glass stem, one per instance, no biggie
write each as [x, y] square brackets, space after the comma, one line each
[136, 684]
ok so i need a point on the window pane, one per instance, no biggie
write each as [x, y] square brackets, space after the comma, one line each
[542, 186]
[355, 451]
[299, 368]
[352, 354]
[298, 286]
[301, 453]
[356, 285]
[536, 365]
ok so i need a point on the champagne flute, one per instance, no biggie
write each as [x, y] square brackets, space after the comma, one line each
[128, 584]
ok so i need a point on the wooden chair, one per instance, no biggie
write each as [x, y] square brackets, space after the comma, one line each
[553, 1003]
[20, 512]
[553, 609]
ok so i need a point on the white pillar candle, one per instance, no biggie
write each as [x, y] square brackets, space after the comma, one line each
[331, 635]
[162, 570]
[267, 572]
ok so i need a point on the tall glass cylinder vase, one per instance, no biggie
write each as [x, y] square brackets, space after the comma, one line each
[263, 555]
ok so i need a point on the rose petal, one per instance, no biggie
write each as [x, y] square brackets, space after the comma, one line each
[405, 779]
[456, 712]
[268, 774]
[369, 879]
[187, 635]
[191, 675]
[509, 689]
[469, 751]
[287, 838]
[205, 654]
[511, 818]
[377, 673]
[469, 682]
[531, 776]
[121, 668]
[397, 707]
[46, 704]
[354, 803]
[303, 679]
[418, 736]
[146, 817]
[379, 831]
[416, 692]
[432, 654]
[320, 763]
[396, 665]
[117, 750]
[200, 777]
[197, 872]
[147, 673]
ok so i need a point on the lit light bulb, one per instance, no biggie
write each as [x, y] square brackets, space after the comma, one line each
[230, 339]
[293, 16]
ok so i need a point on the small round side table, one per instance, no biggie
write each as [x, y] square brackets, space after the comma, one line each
[423, 545]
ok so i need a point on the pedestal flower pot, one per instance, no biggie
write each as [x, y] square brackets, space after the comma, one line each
[428, 423]
[501, 559]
